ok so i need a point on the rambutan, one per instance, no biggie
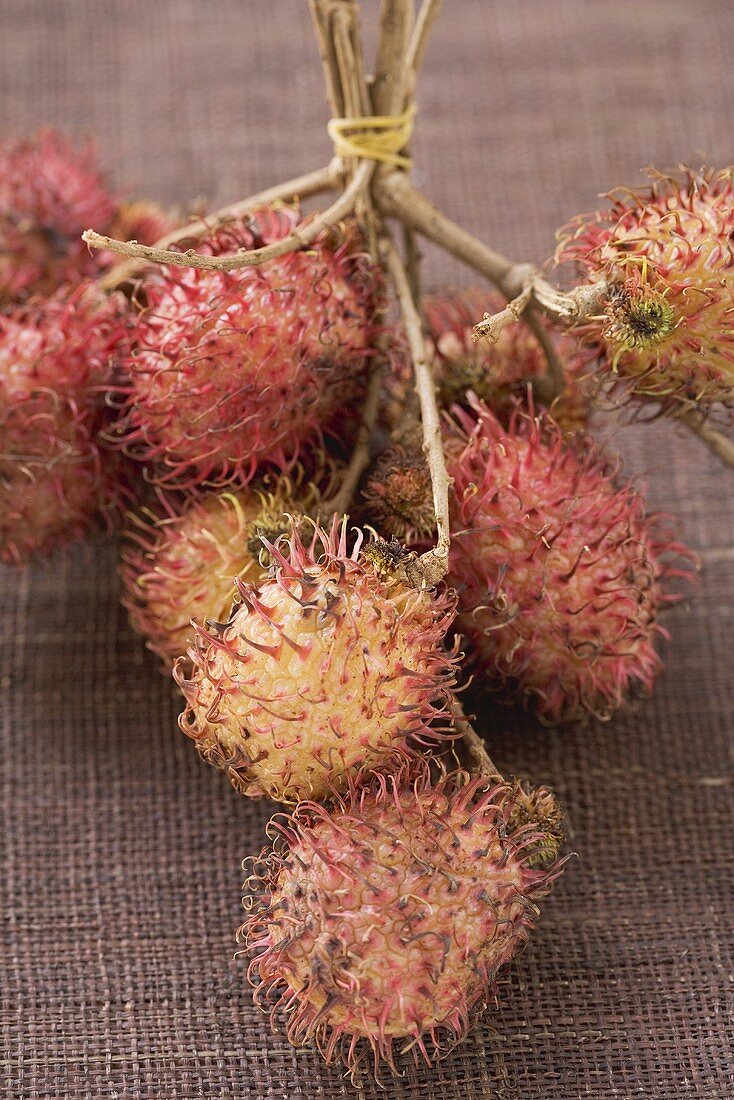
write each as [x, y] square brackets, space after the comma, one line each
[560, 573]
[54, 481]
[67, 344]
[50, 192]
[55, 359]
[330, 667]
[181, 556]
[231, 369]
[666, 325]
[498, 373]
[397, 496]
[378, 926]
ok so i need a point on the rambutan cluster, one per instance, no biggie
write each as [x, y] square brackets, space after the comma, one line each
[318, 669]
[560, 573]
[378, 926]
[665, 328]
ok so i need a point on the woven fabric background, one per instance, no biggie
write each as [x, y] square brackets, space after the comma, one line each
[120, 880]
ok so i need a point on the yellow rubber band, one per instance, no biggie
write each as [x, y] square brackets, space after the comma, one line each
[377, 137]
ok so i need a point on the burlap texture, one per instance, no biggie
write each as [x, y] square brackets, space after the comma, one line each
[121, 850]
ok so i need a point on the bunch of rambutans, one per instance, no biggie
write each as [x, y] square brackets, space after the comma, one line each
[213, 412]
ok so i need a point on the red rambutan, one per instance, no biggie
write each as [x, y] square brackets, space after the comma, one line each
[666, 325]
[54, 481]
[378, 926]
[560, 573]
[231, 369]
[66, 344]
[55, 358]
[50, 192]
[327, 668]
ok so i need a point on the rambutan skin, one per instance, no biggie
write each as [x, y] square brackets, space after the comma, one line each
[50, 192]
[180, 556]
[560, 573]
[66, 344]
[378, 925]
[55, 483]
[55, 359]
[666, 327]
[498, 373]
[179, 562]
[231, 369]
[397, 497]
[326, 669]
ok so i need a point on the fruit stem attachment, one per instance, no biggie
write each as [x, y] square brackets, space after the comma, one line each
[339, 504]
[432, 565]
[714, 440]
[301, 237]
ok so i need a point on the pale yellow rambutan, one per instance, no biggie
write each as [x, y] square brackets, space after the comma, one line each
[330, 667]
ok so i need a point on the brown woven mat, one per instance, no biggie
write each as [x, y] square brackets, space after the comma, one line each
[120, 879]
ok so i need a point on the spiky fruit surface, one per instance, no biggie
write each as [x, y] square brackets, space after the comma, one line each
[181, 557]
[324, 670]
[231, 369]
[381, 924]
[498, 373]
[55, 358]
[54, 481]
[66, 344]
[397, 496]
[560, 573]
[667, 325]
[50, 192]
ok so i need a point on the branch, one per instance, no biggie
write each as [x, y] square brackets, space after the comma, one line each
[301, 237]
[388, 86]
[493, 325]
[397, 198]
[434, 564]
[714, 440]
[419, 40]
[547, 388]
[476, 751]
[328, 178]
[339, 503]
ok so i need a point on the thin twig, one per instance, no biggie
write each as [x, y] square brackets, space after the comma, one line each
[412, 263]
[321, 11]
[714, 440]
[479, 759]
[493, 325]
[347, 41]
[328, 178]
[434, 563]
[340, 502]
[418, 44]
[301, 237]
